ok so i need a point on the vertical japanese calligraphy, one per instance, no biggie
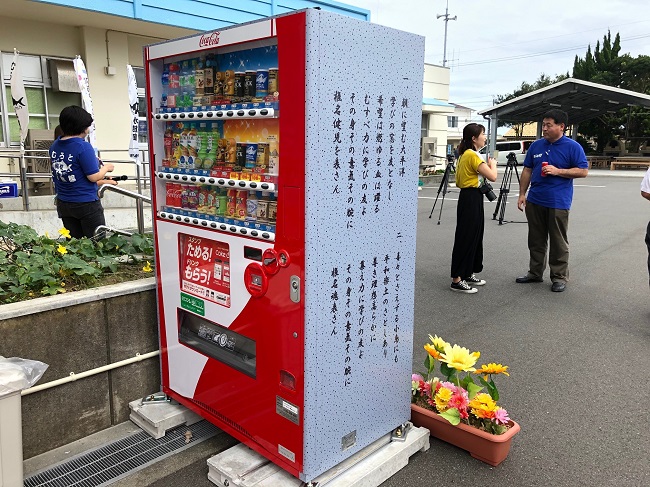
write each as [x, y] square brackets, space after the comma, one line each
[370, 150]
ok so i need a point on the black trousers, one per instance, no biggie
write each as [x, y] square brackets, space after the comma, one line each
[467, 256]
[81, 219]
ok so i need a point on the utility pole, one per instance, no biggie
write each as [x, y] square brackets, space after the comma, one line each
[447, 19]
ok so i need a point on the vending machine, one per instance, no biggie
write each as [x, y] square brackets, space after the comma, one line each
[284, 158]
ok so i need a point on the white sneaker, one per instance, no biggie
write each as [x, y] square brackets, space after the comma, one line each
[475, 281]
[463, 287]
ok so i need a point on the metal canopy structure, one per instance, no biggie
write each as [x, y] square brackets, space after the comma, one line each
[582, 100]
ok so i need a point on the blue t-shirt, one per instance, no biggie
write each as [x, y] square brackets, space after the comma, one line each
[72, 161]
[553, 191]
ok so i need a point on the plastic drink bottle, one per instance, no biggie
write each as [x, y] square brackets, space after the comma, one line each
[202, 146]
[174, 88]
[192, 146]
[165, 86]
[251, 206]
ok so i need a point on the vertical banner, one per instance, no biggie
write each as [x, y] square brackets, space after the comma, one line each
[134, 152]
[19, 99]
[82, 79]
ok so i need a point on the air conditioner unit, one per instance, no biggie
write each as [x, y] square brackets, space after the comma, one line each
[429, 150]
[39, 140]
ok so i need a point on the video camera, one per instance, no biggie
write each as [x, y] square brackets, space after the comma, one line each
[512, 157]
[117, 178]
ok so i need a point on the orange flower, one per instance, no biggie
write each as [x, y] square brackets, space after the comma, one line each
[432, 351]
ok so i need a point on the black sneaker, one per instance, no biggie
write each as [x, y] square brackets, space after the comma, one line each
[475, 281]
[463, 287]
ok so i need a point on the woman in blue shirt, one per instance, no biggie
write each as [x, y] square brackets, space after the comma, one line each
[76, 172]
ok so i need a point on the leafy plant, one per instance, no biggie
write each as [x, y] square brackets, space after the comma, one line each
[38, 265]
[459, 398]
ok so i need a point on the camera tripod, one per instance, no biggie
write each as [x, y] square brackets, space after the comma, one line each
[502, 200]
[443, 188]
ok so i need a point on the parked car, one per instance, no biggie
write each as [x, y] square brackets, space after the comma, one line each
[518, 147]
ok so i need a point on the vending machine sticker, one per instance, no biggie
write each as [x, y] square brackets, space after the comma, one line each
[205, 268]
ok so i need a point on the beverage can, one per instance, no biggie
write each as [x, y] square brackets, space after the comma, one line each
[192, 197]
[241, 154]
[544, 164]
[262, 160]
[251, 155]
[273, 81]
[213, 200]
[170, 194]
[241, 201]
[273, 211]
[231, 205]
[222, 204]
[262, 83]
[231, 151]
[239, 84]
[199, 81]
[249, 83]
[229, 83]
[263, 207]
[184, 196]
[202, 205]
[219, 80]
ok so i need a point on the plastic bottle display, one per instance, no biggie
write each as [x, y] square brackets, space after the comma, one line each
[201, 147]
[184, 149]
[199, 78]
[209, 74]
[231, 205]
[222, 206]
[251, 206]
[174, 89]
[274, 155]
[165, 86]
[192, 146]
[168, 144]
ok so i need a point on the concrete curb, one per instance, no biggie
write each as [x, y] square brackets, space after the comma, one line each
[38, 305]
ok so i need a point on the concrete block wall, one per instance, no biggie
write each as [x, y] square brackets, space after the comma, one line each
[77, 332]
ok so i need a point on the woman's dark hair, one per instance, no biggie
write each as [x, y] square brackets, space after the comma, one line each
[470, 131]
[58, 132]
[74, 120]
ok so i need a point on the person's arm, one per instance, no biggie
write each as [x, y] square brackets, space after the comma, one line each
[645, 195]
[524, 182]
[572, 173]
[489, 170]
[98, 176]
[106, 181]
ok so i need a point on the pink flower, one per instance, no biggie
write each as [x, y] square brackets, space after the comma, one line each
[416, 378]
[501, 416]
[426, 388]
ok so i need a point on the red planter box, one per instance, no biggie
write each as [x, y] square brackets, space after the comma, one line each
[488, 448]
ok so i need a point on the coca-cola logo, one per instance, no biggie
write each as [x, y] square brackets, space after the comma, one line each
[207, 40]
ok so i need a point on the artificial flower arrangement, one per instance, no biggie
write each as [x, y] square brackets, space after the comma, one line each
[459, 398]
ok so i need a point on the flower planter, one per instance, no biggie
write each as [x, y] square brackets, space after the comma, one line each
[491, 449]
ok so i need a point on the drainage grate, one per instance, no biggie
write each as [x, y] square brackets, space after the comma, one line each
[114, 461]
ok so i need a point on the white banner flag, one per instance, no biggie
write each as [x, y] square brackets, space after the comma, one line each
[134, 152]
[82, 79]
[18, 98]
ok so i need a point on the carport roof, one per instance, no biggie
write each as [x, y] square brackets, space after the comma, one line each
[582, 100]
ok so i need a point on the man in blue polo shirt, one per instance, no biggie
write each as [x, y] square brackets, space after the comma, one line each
[550, 166]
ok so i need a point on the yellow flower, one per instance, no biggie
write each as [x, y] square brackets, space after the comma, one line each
[483, 406]
[492, 368]
[147, 268]
[62, 284]
[442, 398]
[438, 343]
[62, 250]
[432, 351]
[65, 232]
[460, 358]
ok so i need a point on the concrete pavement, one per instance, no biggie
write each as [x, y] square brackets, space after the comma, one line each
[578, 359]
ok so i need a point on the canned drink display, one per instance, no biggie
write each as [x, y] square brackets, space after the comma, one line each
[202, 205]
[273, 81]
[229, 83]
[240, 209]
[262, 83]
[184, 196]
[239, 84]
[251, 155]
[231, 203]
[192, 197]
[219, 80]
[213, 200]
[241, 154]
[249, 83]
[263, 207]
[262, 160]
[273, 211]
[170, 194]
[231, 151]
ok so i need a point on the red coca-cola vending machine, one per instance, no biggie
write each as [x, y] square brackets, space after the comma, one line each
[285, 230]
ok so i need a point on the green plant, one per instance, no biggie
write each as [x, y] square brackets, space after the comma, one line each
[38, 265]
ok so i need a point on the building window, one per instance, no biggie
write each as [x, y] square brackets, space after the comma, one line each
[43, 102]
[425, 125]
[452, 122]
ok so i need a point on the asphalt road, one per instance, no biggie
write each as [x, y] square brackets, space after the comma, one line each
[578, 360]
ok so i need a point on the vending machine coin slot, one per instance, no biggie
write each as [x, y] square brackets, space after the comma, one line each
[294, 289]
[255, 280]
[270, 262]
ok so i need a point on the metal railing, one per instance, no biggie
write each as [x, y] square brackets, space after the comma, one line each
[141, 170]
[139, 199]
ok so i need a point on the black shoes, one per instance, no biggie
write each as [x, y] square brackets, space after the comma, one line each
[558, 287]
[527, 279]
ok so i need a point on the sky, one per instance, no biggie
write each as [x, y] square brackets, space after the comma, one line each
[495, 45]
